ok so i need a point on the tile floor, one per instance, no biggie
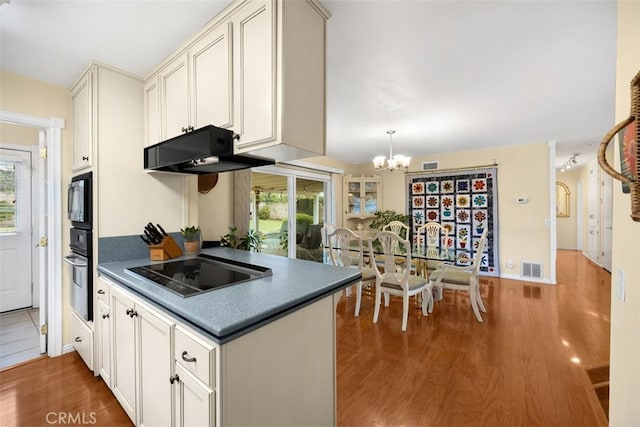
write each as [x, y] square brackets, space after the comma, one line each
[19, 336]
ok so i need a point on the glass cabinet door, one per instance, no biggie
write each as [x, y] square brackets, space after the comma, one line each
[370, 197]
[354, 198]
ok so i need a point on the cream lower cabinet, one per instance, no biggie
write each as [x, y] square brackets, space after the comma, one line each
[103, 341]
[194, 380]
[142, 360]
[166, 373]
[102, 323]
[82, 339]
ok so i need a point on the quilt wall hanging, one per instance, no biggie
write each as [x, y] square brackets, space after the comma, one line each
[465, 202]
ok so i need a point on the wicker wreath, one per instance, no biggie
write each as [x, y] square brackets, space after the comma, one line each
[633, 182]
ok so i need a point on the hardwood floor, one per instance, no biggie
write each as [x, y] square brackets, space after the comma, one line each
[59, 390]
[525, 365]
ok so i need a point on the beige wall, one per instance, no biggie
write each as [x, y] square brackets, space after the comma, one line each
[567, 227]
[20, 94]
[523, 171]
[215, 209]
[625, 316]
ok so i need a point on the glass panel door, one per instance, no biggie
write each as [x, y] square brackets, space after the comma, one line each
[270, 211]
[289, 209]
[310, 217]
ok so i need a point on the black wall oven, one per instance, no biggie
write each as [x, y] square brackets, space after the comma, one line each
[80, 259]
[81, 273]
[79, 201]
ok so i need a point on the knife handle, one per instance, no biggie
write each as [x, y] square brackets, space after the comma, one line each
[162, 230]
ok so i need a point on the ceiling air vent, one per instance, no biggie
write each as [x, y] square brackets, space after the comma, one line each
[430, 166]
[532, 270]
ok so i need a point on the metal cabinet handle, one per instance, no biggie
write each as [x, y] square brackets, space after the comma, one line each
[101, 292]
[105, 316]
[186, 358]
[236, 136]
[187, 129]
[86, 158]
[174, 378]
[133, 314]
[128, 312]
[78, 339]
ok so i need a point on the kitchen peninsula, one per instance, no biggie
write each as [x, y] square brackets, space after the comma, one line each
[259, 352]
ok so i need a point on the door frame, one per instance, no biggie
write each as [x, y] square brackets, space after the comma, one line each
[50, 256]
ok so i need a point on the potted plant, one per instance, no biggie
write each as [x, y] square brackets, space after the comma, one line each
[191, 239]
[383, 218]
[249, 242]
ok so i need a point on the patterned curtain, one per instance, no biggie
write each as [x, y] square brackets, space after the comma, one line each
[465, 202]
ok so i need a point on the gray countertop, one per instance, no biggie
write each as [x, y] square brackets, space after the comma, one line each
[227, 313]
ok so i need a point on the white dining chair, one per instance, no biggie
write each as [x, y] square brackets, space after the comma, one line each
[345, 250]
[398, 281]
[464, 278]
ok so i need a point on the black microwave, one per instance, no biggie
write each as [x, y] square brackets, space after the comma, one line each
[79, 201]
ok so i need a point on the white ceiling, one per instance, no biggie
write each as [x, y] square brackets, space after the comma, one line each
[446, 75]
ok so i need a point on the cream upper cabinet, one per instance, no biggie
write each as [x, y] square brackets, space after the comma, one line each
[174, 94]
[82, 95]
[279, 78]
[192, 90]
[152, 112]
[254, 82]
[211, 89]
[259, 70]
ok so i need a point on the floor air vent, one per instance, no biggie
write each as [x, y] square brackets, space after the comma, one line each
[532, 270]
[430, 166]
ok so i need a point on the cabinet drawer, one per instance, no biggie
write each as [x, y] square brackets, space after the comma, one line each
[103, 291]
[195, 355]
[82, 339]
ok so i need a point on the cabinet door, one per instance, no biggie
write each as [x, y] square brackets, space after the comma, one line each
[353, 197]
[156, 367]
[82, 122]
[370, 195]
[152, 112]
[103, 323]
[174, 97]
[82, 339]
[211, 84]
[254, 73]
[194, 402]
[124, 352]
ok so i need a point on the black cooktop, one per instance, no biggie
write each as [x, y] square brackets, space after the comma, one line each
[201, 274]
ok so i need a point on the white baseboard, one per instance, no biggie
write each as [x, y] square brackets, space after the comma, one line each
[545, 280]
[68, 348]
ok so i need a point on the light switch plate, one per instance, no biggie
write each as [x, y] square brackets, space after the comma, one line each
[620, 285]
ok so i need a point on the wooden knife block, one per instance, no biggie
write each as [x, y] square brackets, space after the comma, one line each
[167, 249]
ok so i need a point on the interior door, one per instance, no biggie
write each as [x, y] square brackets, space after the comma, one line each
[593, 228]
[15, 230]
[606, 210]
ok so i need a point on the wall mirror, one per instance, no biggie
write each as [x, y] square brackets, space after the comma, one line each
[562, 200]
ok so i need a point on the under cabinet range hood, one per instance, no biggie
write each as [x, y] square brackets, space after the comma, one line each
[201, 151]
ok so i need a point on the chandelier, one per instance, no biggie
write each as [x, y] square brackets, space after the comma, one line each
[394, 162]
[570, 163]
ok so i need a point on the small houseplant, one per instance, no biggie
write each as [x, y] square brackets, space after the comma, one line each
[249, 242]
[191, 239]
